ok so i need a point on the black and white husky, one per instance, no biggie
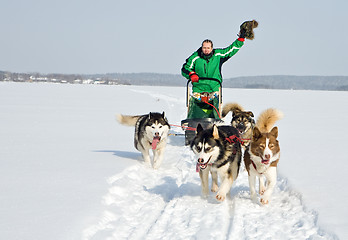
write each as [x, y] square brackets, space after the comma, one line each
[218, 151]
[151, 132]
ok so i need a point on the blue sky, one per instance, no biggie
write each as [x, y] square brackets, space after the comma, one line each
[82, 36]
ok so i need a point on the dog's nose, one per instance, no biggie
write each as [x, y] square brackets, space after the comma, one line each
[156, 134]
[267, 156]
[200, 160]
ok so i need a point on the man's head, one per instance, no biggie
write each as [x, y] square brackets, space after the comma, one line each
[207, 47]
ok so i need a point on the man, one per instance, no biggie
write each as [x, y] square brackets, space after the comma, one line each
[203, 68]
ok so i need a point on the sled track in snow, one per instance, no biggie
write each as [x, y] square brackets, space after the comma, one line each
[143, 203]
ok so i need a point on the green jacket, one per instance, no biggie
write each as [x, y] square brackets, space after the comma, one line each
[209, 66]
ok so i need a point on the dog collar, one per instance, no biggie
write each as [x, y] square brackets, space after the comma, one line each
[254, 165]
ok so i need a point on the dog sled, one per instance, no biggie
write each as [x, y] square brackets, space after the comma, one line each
[204, 108]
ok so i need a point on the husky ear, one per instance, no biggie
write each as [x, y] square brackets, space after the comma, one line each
[150, 115]
[250, 114]
[256, 133]
[235, 112]
[274, 132]
[163, 114]
[215, 132]
[199, 128]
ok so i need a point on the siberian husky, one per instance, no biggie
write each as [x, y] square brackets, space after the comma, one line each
[217, 151]
[262, 156]
[151, 132]
[242, 120]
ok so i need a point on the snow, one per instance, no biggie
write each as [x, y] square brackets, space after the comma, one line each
[70, 171]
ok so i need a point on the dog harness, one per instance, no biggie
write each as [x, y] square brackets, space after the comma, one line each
[234, 139]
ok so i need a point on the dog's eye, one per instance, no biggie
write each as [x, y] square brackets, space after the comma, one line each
[198, 149]
[160, 126]
[207, 149]
[262, 146]
[271, 146]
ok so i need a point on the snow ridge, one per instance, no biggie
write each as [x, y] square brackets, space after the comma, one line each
[143, 203]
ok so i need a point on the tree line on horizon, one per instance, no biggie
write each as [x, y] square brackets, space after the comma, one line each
[333, 83]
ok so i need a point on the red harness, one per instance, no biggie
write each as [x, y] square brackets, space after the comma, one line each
[235, 139]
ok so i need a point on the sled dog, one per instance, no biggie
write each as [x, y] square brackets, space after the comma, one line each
[217, 151]
[151, 132]
[262, 156]
[242, 120]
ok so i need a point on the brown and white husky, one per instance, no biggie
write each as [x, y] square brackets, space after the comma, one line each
[262, 155]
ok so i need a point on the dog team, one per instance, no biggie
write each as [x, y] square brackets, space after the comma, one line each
[219, 149]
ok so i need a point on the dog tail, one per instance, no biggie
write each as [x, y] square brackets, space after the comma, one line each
[127, 119]
[267, 119]
[231, 107]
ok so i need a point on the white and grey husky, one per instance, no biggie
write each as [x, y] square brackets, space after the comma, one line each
[151, 132]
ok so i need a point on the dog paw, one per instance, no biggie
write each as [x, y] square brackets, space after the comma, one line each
[220, 197]
[156, 166]
[214, 188]
[204, 196]
[253, 197]
[262, 191]
[264, 201]
[205, 192]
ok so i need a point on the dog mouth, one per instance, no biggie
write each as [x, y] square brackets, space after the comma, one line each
[265, 161]
[202, 166]
[155, 140]
[241, 130]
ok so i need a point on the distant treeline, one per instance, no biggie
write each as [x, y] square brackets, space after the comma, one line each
[333, 83]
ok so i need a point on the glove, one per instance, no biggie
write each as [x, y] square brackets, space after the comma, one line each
[247, 29]
[242, 33]
[194, 77]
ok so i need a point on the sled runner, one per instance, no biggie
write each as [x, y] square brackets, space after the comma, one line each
[203, 108]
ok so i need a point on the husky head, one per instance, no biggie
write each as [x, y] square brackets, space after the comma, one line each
[157, 126]
[205, 146]
[243, 121]
[265, 146]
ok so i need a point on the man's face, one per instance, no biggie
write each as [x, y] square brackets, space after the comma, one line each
[206, 48]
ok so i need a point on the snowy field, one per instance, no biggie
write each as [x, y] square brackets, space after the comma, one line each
[70, 171]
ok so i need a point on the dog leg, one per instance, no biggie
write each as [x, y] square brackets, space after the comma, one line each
[146, 157]
[271, 176]
[157, 158]
[252, 182]
[214, 185]
[262, 187]
[224, 188]
[204, 175]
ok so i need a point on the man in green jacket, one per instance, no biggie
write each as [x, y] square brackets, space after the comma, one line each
[203, 68]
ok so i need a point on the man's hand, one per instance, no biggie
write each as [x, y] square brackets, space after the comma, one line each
[194, 77]
[242, 33]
